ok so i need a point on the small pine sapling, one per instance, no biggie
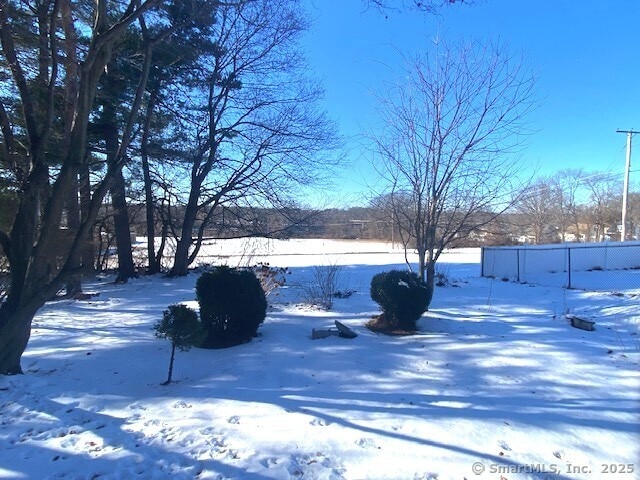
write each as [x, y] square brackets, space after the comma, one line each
[179, 324]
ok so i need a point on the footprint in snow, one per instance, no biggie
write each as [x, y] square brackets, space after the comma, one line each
[504, 445]
[217, 446]
[154, 423]
[270, 462]
[315, 466]
[297, 466]
[70, 442]
[94, 425]
[68, 408]
[367, 443]
[234, 419]
[426, 476]
[233, 454]
[319, 422]
[169, 434]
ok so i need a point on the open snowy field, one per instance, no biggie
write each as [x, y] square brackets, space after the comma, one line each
[497, 385]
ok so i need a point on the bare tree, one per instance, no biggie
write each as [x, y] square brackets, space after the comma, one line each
[539, 206]
[569, 184]
[446, 149]
[603, 211]
[256, 135]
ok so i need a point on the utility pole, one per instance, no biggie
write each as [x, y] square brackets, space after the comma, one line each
[625, 187]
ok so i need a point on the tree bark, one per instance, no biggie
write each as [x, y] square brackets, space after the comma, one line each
[173, 356]
[14, 339]
[88, 249]
[181, 258]
[430, 281]
[126, 267]
[153, 263]
[74, 284]
[70, 59]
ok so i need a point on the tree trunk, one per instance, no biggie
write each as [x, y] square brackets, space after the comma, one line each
[70, 60]
[173, 356]
[181, 258]
[31, 286]
[89, 248]
[74, 284]
[126, 267]
[422, 263]
[14, 336]
[430, 281]
[163, 241]
[153, 264]
[427, 270]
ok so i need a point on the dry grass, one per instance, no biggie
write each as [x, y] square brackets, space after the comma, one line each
[379, 324]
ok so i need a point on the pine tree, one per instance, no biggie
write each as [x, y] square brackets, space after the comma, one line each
[179, 324]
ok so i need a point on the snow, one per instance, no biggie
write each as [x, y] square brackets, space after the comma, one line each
[496, 380]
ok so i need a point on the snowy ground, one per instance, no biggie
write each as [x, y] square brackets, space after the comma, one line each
[496, 385]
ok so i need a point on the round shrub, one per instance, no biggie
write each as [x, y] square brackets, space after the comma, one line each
[402, 296]
[232, 306]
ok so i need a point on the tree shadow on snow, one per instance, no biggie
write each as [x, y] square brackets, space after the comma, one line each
[482, 355]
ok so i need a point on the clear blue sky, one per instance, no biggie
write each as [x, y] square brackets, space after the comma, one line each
[585, 54]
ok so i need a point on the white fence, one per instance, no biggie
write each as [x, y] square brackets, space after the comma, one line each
[566, 264]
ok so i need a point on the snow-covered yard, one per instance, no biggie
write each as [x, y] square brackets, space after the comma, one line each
[496, 385]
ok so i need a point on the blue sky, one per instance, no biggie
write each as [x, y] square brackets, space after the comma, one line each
[585, 54]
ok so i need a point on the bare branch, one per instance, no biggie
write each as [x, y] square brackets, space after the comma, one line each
[429, 6]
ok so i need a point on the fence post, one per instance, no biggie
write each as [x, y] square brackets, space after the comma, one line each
[569, 266]
[518, 264]
[481, 261]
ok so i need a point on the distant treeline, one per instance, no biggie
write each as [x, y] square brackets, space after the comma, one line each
[367, 223]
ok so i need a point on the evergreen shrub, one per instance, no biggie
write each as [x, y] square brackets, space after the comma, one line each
[402, 296]
[232, 306]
